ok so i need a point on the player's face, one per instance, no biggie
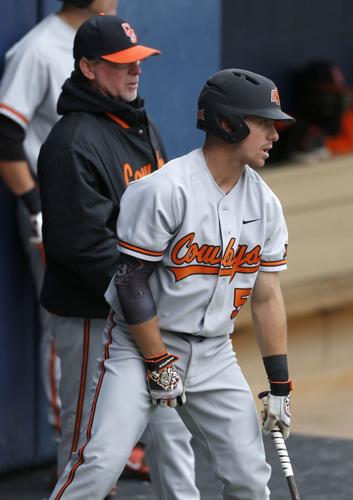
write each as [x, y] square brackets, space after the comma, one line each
[254, 149]
[117, 80]
[108, 7]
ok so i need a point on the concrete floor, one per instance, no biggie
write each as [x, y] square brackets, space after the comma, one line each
[323, 470]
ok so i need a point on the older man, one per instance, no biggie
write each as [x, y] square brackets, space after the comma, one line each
[104, 140]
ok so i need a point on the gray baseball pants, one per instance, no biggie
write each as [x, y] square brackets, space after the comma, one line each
[79, 344]
[220, 413]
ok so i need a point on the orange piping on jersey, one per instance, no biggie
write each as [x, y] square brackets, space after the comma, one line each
[140, 250]
[275, 263]
[118, 120]
[16, 113]
[83, 379]
[92, 413]
[54, 394]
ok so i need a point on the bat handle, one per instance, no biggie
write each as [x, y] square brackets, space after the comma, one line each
[285, 462]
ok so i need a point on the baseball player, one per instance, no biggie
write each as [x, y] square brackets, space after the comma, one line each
[104, 140]
[35, 69]
[197, 239]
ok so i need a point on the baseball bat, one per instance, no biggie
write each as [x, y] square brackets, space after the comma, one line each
[285, 462]
[283, 456]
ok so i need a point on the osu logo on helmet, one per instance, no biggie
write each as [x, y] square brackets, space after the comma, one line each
[275, 96]
[129, 32]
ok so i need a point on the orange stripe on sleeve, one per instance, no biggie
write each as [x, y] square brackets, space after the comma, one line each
[144, 251]
[274, 263]
[14, 112]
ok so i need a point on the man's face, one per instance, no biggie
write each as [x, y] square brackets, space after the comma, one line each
[117, 80]
[254, 149]
[108, 7]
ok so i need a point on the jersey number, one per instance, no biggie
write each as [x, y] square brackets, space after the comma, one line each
[241, 295]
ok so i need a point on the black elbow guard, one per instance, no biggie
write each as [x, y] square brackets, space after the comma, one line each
[11, 140]
[135, 297]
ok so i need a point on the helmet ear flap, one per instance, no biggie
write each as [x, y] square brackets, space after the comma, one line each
[240, 130]
[210, 120]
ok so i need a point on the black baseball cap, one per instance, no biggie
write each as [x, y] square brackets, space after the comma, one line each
[110, 38]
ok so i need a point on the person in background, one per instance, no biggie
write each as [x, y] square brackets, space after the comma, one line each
[342, 143]
[35, 69]
[320, 99]
[104, 140]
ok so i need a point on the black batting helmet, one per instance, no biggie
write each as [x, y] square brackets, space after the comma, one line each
[78, 3]
[234, 94]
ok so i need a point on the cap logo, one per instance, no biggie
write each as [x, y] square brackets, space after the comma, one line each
[275, 97]
[200, 114]
[129, 32]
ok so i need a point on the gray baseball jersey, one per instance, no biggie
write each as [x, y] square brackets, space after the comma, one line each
[35, 69]
[211, 244]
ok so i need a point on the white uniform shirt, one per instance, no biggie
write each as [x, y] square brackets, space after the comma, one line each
[35, 70]
[210, 245]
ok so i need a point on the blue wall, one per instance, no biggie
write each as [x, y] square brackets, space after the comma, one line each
[189, 38]
[276, 37]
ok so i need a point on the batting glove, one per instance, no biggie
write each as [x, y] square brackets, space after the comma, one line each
[36, 221]
[164, 382]
[276, 412]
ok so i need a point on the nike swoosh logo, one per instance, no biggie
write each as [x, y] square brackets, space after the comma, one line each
[252, 220]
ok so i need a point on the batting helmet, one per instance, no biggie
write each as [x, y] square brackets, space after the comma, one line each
[78, 3]
[234, 94]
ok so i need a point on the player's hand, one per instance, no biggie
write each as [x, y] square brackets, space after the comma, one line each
[36, 221]
[276, 411]
[164, 382]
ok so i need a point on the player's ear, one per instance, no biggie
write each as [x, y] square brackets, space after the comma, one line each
[87, 68]
[226, 125]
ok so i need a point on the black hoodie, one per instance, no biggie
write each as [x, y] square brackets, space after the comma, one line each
[97, 147]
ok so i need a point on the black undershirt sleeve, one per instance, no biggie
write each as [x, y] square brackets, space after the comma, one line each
[11, 140]
[131, 281]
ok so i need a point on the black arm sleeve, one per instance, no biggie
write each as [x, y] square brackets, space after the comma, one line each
[11, 140]
[131, 281]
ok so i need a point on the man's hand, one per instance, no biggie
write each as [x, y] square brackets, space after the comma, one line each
[164, 382]
[36, 221]
[276, 412]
